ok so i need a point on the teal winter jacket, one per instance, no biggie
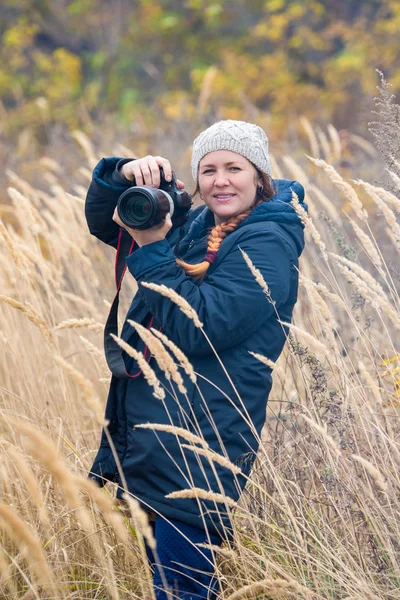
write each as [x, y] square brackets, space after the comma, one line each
[227, 405]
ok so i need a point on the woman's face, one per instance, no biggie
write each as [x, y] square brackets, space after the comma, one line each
[228, 183]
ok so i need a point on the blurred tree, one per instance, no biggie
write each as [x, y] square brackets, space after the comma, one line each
[283, 58]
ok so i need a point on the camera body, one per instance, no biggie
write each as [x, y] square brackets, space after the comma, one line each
[142, 206]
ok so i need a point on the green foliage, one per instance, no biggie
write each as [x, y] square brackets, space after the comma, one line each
[284, 58]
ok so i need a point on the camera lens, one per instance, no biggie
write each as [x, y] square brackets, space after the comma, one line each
[141, 207]
[139, 210]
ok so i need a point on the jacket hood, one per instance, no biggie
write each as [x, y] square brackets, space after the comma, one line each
[279, 209]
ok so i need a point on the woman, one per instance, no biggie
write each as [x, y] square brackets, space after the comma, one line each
[244, 209]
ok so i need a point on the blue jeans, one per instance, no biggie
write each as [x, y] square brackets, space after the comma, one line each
[187, 570]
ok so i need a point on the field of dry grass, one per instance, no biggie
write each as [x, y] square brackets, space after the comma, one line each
[320, 517]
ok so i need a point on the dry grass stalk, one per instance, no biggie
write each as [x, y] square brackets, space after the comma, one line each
[394, 239]
[336, 142]
[396, 450]
[17, 255]
[79, 201]
[142, 526]
[25, 473]
[345, 188]
[23, 185]
[87, 147]
[95, 352]
[148, 372]
[274, 588]
[50, 163]
[361, 273]
[324, 143]
[88, 305]
[179, 431]
[325, 203]
[376, 192]
[370, 383]
[177, 299]
[6, 578]
[318, 303]
[220, 549]
[30, 546]
[45, 451]
[214, 457]
[276, 171]
[105, 504]
[257, 276]
[323, 433]
[85, 386]
[367, 244]
[396, 180]
[140, 517]
[389, 216]
[308, 224]
[362, 143]
[323, 291]
[203, 495]
[33, 317]
[87, 174]
[123, 150]
[269, 363]
[49, 272]
[75, 323]
[31, 220]
[177, 352]
[375, 474]
[296, 171]
[56, 228]
[308, 338]
[311, 136]
[163, 358]
[379, 303]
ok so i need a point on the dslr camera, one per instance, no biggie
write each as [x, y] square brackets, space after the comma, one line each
[142, 206]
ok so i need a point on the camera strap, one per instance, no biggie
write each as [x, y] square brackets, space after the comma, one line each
[113, 351]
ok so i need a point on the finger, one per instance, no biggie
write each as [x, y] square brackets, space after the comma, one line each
[127, 170]
[166, 165]
[137, 172]
[146, 174]
[180, 184]
[155, 171]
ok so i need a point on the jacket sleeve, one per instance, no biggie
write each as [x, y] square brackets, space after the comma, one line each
[230, 303]
[106, 187]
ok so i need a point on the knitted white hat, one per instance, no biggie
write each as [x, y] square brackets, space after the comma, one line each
[246, 139]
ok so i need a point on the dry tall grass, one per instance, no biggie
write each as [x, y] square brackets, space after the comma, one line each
[320, 517]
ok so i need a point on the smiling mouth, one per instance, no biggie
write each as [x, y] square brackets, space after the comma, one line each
[223, 197]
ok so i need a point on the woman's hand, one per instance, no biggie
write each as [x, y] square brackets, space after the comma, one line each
[146, 171]
[146, 236]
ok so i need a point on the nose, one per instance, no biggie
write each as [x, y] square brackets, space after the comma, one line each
[221, 179]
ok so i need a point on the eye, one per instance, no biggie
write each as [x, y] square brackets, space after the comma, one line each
[207, 171]
[235, 169]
